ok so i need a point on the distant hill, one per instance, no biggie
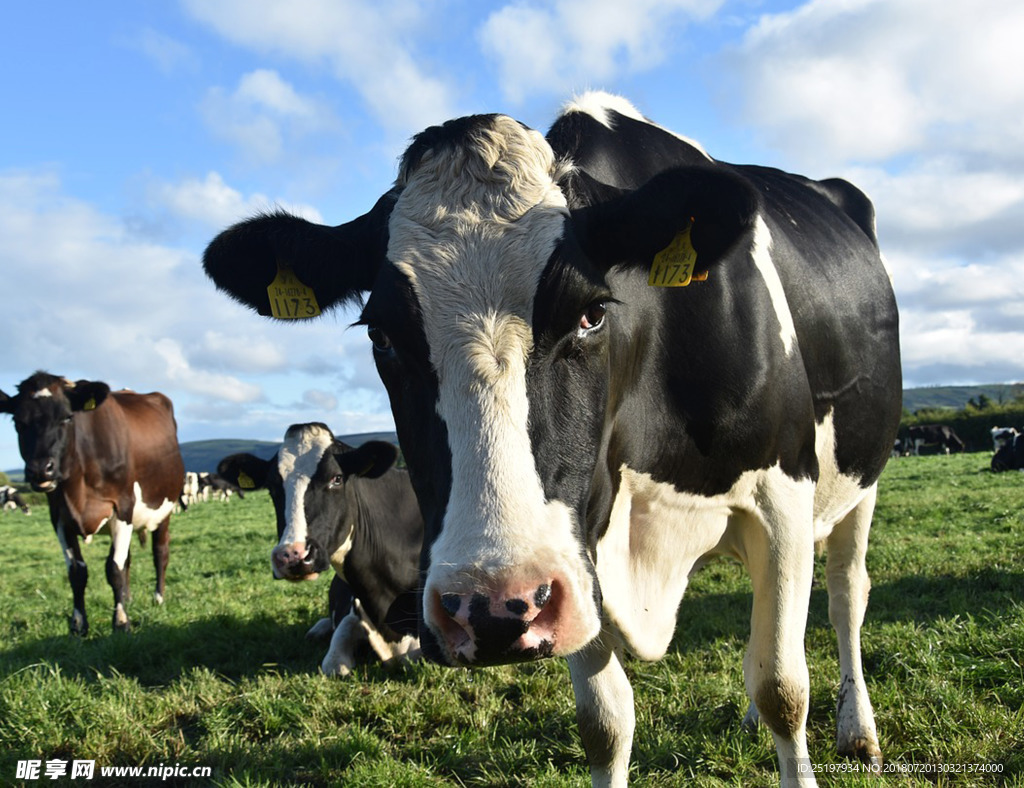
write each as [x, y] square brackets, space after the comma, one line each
[957, 397]
[202, 456]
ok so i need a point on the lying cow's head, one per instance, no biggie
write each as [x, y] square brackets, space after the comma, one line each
[494, 305]
[309, 482]
[43, 410]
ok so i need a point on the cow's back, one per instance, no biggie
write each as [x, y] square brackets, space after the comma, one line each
[737, 397]
[152, 435]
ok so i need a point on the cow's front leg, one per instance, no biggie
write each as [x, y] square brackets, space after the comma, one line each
[346, 642]
[118, 567]
[604, 710]
[848, 586]
[161, 552]
[779, 554]
[78, 578]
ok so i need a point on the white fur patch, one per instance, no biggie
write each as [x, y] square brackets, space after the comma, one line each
[297, 461]
[42, 393]
[143, 516]
[762, 257]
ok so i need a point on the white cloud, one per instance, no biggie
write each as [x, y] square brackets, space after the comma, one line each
[555, 48]
[211, 203]
[169, 54]
[871, 79]
[367, 44]
[262, 113]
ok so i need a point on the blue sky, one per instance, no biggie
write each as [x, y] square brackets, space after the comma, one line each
[133, 132]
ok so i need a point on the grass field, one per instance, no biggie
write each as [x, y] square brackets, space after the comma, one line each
[221, 676]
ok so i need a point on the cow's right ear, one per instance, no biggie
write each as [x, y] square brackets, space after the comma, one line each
[246, 470]
[337, 264]
[6, 403]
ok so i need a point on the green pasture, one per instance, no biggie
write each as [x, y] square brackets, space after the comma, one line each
[220, 676]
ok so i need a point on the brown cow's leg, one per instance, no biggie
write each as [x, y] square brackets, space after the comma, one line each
[161, 541]
[118, 566]
[78, 573]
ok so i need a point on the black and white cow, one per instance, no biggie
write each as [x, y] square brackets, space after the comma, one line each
[10, 498]
[350, 509]
[938, 437]
[580, 435]
[1009, 449]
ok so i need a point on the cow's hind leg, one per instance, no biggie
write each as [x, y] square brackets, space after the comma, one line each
[848, 587]
[118, 567]
[161, 553]
[604, 711]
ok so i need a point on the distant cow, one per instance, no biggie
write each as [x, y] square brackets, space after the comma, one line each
[608, 356]
[190, 490]
[934, 435]
[108, 462]
[215, 485]
[350, 509]
[10, 498]
[1009, 449]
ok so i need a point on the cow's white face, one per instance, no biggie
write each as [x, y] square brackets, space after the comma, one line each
[473, 232]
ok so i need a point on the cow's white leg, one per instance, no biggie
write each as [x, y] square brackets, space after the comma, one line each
[778, 549]
[341, 655]
[604, 711]
[848, 586]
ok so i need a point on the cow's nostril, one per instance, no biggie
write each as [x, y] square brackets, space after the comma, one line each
[543, 596]
[517, 607]
[451, 604]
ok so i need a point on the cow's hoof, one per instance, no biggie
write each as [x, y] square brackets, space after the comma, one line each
[865, 751]
[77, 624]
[158, 598]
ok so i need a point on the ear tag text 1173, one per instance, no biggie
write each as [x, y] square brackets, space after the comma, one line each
[289, 298]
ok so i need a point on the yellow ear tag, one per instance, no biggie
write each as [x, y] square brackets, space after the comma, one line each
[673, 266]
[90, 404]
[245, 481]
[289, 298]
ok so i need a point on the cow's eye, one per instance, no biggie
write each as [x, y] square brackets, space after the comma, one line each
[336, 481]
[593, 317]
[381, 341]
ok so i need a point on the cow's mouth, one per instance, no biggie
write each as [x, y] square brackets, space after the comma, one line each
[43, 485]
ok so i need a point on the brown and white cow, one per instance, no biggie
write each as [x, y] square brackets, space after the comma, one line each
[109, 462]
[608, 356]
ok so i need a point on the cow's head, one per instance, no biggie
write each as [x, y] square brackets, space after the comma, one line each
[309, 481]
[43, 410]
[496, 302]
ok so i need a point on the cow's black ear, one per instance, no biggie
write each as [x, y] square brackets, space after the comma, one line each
[329, 266]
[370, 460]
[245, 470]
[718, 207]
[86, 394]
[6, 403]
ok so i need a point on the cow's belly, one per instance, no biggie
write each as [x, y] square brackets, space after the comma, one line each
[656, 535]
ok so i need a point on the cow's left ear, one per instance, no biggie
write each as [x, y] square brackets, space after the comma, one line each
[631, 227]
[245, 470]
[86, 394]
[6, 403]
[370, 460]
